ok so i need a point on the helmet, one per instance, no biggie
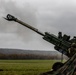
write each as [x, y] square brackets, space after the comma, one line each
[73, 45]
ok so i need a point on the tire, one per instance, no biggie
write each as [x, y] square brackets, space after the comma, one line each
[57, 65]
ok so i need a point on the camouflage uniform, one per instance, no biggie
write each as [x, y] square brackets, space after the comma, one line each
[69, 67]
[72, 50]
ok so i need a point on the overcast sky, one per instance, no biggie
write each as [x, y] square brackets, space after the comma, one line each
[46, 15]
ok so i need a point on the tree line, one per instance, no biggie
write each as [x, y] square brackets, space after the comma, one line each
[28, 56]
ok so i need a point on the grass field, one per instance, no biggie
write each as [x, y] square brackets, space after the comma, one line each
[25, 67]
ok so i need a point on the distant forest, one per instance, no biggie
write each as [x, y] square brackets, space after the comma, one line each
[6, 53]
[27, 56]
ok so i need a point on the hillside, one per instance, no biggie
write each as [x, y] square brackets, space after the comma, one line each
[28, 54]
[20, 51]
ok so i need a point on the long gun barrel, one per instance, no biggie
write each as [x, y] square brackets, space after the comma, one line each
[62, 43]
[12, 18]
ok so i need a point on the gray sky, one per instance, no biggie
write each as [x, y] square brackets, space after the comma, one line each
[46, 15]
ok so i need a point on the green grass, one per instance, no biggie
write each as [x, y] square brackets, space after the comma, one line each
[25, 67]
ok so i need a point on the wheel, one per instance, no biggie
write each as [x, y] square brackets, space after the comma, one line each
[57, 65]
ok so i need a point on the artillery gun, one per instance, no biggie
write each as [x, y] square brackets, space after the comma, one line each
[61, 43]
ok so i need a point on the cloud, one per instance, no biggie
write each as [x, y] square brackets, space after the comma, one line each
[11, 41]
[47, 15]
[25, 13]
[59, 15]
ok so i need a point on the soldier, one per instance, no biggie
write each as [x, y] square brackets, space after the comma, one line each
[72, 49]
[66, 68]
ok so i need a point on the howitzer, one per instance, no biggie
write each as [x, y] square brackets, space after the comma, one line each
[62, 43]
